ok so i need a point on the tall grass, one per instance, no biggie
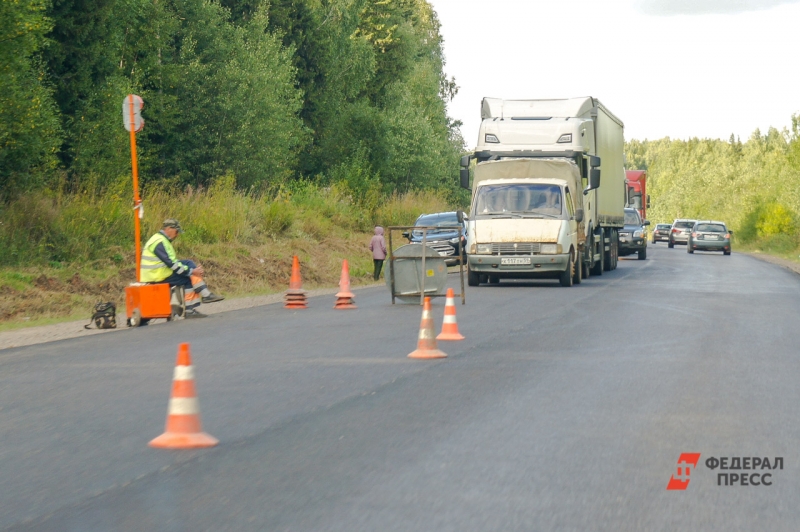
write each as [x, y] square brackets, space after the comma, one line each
[47, 228]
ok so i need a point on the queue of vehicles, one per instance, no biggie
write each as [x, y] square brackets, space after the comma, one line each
[698, 235]
[539, 208]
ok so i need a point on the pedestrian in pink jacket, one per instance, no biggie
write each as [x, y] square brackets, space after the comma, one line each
[378, 247]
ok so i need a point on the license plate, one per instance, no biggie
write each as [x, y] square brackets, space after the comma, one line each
[519, 260]
[710, 237]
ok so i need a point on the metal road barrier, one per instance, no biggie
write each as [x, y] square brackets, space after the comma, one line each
[412, 273]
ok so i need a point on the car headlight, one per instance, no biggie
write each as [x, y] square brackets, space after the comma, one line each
[484, 249]
[637, 234]
[549, 249]
[454, 240]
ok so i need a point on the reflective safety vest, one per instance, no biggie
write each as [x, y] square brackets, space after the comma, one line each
[152, 268]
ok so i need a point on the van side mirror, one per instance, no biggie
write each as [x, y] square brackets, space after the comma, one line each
[578, 215]
[464, 161]
[646, 222]
[464, 178]
[405, 234]
[594, 162]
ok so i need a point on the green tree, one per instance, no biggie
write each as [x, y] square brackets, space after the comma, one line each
[29, 128]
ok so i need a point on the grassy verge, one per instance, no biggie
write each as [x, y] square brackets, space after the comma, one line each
[782, 245]
[67, 252]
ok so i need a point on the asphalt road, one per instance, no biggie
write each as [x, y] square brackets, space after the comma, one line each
[564, 409]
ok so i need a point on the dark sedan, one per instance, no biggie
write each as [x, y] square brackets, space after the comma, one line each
[444, 237]
[661, 233]
[709, 236]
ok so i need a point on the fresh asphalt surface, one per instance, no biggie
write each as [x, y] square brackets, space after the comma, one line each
[564, 409]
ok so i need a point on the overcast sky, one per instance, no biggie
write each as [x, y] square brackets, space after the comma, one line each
[676, 68]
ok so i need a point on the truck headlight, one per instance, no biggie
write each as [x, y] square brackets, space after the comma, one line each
[566, 138]
[492, 139]
[637, 233]
[549, 249]
[484, 249]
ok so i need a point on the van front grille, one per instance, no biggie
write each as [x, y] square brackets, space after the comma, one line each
[515, 248]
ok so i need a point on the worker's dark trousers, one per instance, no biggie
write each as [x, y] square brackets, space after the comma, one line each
[378, 265]
[192, 285]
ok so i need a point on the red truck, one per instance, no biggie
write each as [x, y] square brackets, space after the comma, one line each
[636, 191]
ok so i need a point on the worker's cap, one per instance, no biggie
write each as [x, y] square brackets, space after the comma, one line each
[172, 222]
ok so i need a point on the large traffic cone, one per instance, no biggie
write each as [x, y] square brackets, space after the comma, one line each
[295, 297]
[449, 325]
[183, 429]
[344, 299]
[426, 346]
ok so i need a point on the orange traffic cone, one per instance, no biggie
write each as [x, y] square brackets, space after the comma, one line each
[295, 297]
[449, 325]
[183, 429]
[426, 346]
[344, 299]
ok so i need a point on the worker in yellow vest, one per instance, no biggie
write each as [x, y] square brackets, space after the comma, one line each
[161, 265]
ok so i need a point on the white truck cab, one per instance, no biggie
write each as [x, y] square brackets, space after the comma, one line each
[525, 220]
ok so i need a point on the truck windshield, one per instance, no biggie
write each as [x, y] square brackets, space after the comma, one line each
[519, 198]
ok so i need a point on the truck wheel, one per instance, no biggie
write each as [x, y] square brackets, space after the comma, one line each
[597, 268]
[569, 272]
[578, 269]
[473, 279]
[614, 249]
[643, 253]
[608, 256]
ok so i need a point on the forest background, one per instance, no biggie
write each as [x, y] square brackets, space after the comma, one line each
[272, 129]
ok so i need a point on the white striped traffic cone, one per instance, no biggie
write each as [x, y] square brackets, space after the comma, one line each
[183, 429]
[449, 325]
[426, 345]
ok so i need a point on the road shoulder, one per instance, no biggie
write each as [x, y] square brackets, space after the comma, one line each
[788, 264]
[75, 329]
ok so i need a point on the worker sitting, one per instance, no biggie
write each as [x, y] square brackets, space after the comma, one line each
[161, 265]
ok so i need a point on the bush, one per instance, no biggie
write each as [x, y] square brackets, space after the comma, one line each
[775, 219]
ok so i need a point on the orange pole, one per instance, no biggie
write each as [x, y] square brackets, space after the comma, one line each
[137, 201]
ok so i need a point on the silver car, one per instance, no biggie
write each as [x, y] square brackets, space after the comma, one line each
[679, 234]
[710, 235]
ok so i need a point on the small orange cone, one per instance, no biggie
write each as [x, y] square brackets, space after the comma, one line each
[344, 299]
[183, 429]
[295, 297]
[449, 325]
[426, 346]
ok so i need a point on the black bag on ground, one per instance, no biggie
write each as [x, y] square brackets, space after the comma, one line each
[104, 317]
